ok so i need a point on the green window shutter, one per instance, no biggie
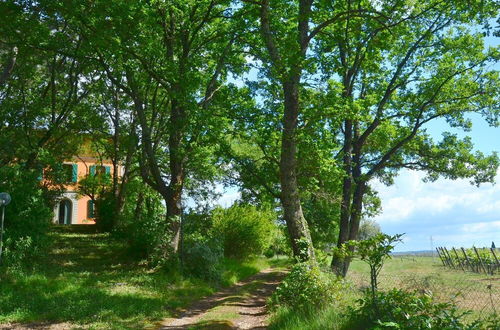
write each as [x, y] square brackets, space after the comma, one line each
[92, 170]
[75, 173]
[90, 209]
[108, 170]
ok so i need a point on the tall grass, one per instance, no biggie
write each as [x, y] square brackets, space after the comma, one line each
[332, 317]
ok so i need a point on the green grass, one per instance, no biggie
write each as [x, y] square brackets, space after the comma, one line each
[469, 291]
[236, 270]
[332, 318]
[89, 279]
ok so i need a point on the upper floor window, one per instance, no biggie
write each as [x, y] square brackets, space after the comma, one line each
[70, 172]
[60, 173]
[98, 170]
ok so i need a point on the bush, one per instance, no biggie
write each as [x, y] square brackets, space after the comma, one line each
[27, 217]
[307, 288]
[399, 309]
[279, 243]
[202, 257]
[142, 223]
[243, 229]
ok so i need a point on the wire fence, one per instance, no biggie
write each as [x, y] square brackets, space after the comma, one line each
[479, 293]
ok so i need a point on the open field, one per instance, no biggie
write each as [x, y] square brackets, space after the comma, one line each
[470, 291]
[477, 292]
[88, 279]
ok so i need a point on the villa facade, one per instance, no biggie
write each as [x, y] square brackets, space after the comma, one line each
[72, 207]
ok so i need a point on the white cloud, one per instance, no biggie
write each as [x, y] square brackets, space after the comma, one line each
[454, 213]
[481, 227]
[410, 196]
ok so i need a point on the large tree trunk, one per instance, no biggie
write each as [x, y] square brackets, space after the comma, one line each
[356, 212]
[176, 164]
[174, 210]
[122, 186]
[337, 264]
[297, 226]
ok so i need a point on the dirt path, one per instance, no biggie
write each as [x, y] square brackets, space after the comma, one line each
[242, 306]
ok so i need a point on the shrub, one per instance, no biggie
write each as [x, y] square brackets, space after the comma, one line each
[27, 217]
[306, 288]
[243, 229]
[202, 257]
[279, 243]
[106, 212]
[399, 309]
[142, 223]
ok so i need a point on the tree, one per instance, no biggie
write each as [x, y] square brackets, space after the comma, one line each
[282, 48]
[171, 61]
[368, 229]
[389, 77]
[46, 97]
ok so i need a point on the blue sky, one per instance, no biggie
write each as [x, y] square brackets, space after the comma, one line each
[453, 213]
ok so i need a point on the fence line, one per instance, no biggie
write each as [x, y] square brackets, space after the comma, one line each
[472, 260]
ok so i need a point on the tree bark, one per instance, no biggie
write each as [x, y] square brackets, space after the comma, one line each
[356, 212]
[337, 264]
[290, 199]
[174, 202]
[9, 67]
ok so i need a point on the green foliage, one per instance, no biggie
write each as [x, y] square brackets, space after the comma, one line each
[105, 210]
[243, 229]
[27, 217]
[374, 251]
[142, 223]
[399, 309]
[201, 257]
[306, 287]
[280, 243]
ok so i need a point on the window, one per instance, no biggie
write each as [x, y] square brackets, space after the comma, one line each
[90, 209]
[98, 170]
[63, 173]
[67, 172]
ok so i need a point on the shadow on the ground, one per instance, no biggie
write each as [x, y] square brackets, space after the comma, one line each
[85, 278]
[247, 300]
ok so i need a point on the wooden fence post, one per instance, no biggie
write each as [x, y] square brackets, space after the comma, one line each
[440, 257]
[467, 259]
[449, 256]
[480, 260]
[458, 259]
[445, 257]
[494, 255]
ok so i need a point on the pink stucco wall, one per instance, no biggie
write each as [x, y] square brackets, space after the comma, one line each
[84, 164]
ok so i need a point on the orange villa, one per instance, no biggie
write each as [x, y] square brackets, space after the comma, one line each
[72, 208]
